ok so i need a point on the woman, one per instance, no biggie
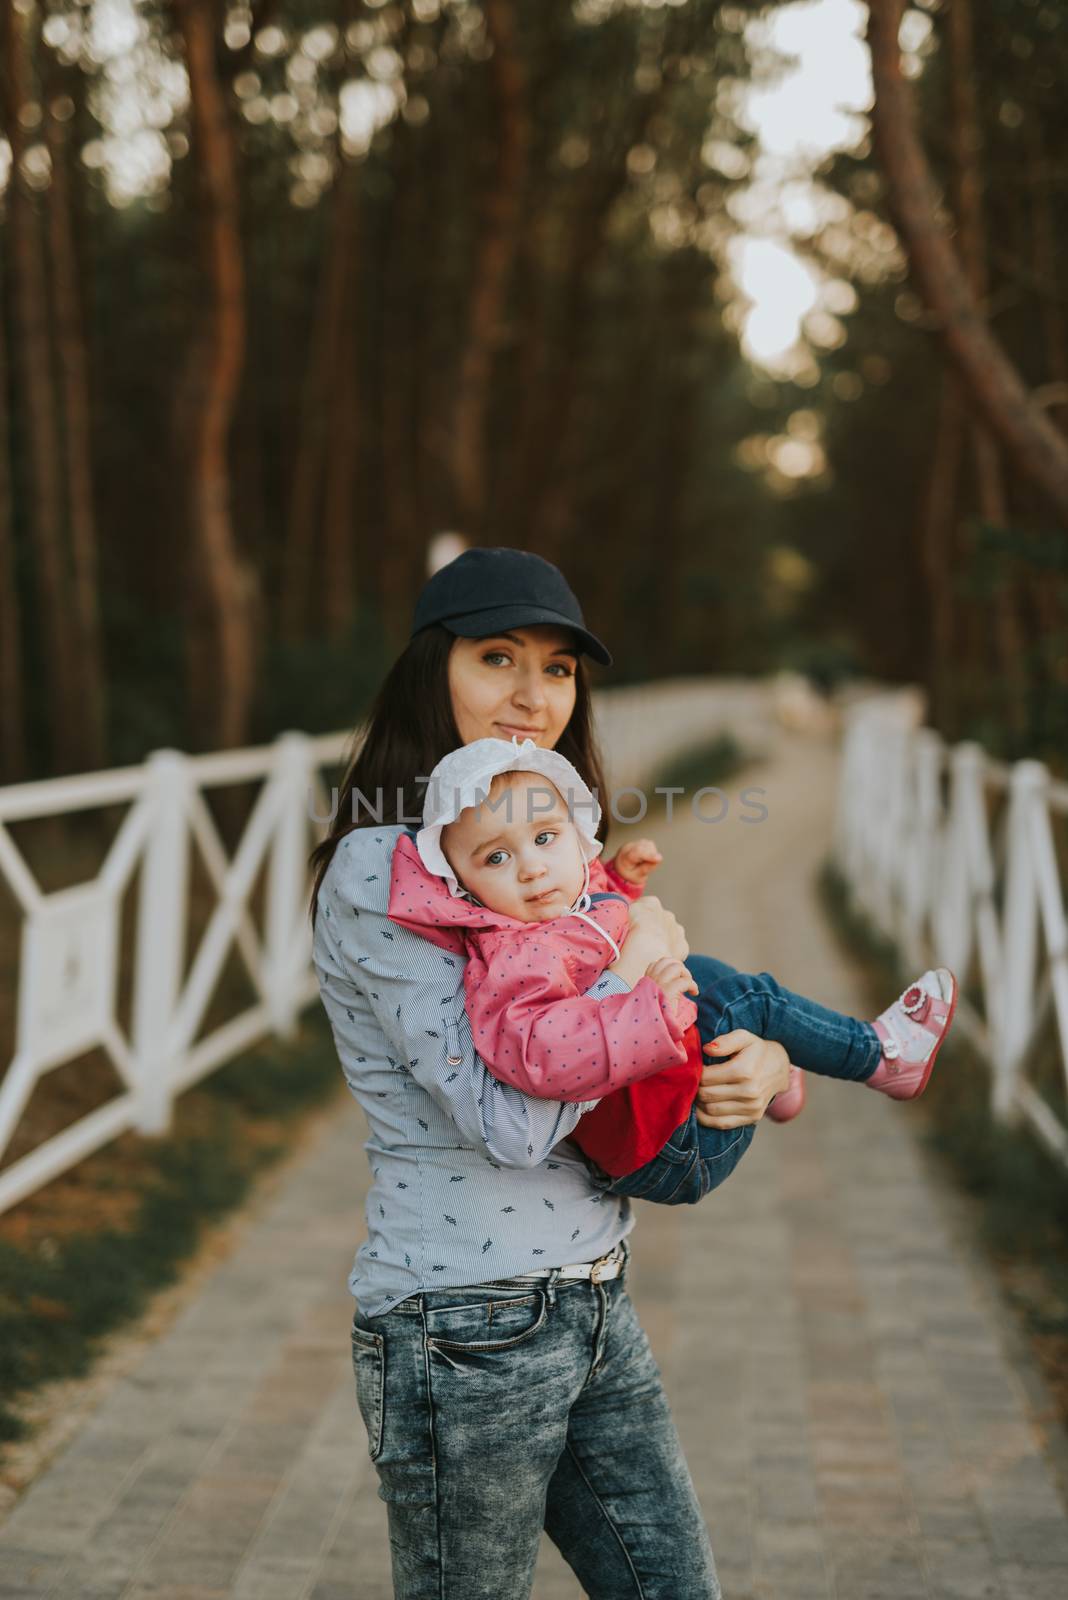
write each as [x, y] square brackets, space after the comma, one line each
[503, 1377]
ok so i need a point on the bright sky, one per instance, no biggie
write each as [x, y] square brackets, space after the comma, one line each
[801, 111]
[817, 104]
[809, 95]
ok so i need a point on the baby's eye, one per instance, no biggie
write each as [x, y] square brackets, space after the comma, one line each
[546, 833]
[494, 858]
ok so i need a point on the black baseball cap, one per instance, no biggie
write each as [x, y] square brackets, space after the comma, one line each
[487, 591]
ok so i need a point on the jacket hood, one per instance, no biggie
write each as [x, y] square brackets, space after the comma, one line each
[423, 902]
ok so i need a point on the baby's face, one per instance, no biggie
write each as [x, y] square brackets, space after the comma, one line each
[515, 853]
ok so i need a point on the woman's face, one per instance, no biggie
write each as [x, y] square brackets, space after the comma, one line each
[520, 682]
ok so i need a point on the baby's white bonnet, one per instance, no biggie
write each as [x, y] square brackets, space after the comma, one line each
[463, 778]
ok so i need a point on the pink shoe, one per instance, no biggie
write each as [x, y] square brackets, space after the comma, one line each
[911, 1031]
[785, 1106]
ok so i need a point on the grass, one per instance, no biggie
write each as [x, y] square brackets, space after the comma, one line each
[704, 765]
[71, 1273]
[1019, 1193]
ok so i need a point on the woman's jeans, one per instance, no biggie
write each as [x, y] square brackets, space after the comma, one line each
[696, 1159]
[495, 1410]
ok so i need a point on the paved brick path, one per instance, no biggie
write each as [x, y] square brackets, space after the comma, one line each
[843, 1376]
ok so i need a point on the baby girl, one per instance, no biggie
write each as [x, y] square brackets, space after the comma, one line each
[504, 872]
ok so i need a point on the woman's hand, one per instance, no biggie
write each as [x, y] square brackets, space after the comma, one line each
[737, 1092]
[653, 925]
[654, 933]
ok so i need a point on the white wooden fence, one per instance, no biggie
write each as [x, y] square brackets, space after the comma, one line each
[69, 958]
[68, 981]
[954, 857]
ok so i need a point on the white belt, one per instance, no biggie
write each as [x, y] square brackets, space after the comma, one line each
[599, 1271]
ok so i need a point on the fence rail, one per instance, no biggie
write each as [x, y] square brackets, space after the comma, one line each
[950, 854]
[70, 940]
[71, 947]
[954, 857]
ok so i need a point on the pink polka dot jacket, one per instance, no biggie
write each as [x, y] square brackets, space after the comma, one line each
[531, 1022]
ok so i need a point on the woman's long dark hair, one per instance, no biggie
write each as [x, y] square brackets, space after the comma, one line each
[410, 728]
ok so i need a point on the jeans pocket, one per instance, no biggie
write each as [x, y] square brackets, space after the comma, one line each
[667, 1180]
[664, 1171]
[369, 1364]
[688, 1188]
[482, 1327]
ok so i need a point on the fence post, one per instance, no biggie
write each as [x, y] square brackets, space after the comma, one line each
[924, 844]
[161, 931]
[896, 829]
[861, 775]
[953, 920]
[1020, 942]
[287, 931]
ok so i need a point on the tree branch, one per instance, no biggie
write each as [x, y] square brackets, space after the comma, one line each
[992, 382]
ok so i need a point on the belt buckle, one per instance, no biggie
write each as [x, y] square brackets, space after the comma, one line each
[597, 1272]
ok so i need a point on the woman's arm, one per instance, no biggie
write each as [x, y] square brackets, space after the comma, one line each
[416, 994]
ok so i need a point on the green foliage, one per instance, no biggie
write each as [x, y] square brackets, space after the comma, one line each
[828, 663]
[320, 684]
[875, 541]
[278, 1078]
[708, 764]
[619, 406]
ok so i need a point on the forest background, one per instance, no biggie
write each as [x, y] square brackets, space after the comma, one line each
[286, 290]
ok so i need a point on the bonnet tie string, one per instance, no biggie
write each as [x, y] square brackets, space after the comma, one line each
[582, 906]
[602, 931]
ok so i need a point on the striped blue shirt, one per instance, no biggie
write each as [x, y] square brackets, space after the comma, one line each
[470, 1179]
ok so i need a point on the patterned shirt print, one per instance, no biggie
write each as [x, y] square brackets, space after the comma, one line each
[525, 988]
[471, 1179]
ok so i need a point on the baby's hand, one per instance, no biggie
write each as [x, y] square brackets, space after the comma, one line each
[673, 978]
[636, 859]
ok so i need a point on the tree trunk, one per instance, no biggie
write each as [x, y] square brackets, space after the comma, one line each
[539, 494]
[1046, 592]
[12, 714]
[317, 423]
[1047, 278]
[29, 277]
[992, 381]
[227, 582]
[74, 382]
[969, 186]
[405, 532]
[936, 554]
[343, 435]
[495, 255]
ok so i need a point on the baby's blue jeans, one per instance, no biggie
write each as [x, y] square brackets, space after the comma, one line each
[697, 1159]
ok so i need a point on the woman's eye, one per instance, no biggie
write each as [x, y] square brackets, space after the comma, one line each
[557, 668]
